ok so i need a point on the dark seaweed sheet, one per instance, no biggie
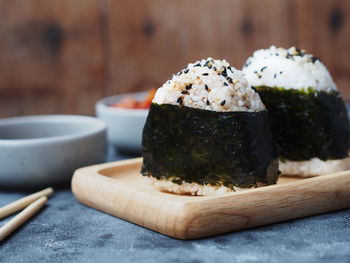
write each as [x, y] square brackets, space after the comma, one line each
[307, 123]
[229, 148]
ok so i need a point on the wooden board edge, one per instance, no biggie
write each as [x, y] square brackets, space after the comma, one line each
[93, 189]
[194, 219]
[95, 169]
[277, 204]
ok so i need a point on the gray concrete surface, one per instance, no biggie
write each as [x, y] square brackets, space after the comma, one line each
[65, 231]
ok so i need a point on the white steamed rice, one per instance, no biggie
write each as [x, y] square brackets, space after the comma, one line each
[192, 188]
[313, 167]
[211, 85]
[287, 68]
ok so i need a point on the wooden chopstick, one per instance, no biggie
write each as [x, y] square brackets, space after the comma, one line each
[23, 202]
[19, 219]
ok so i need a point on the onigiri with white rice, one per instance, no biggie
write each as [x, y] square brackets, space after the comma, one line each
[309, 118]
[208, 133]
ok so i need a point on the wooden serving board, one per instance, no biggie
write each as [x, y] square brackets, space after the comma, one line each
[119, 189]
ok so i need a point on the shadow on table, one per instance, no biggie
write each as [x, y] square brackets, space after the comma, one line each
[32, 189]
[19, 228]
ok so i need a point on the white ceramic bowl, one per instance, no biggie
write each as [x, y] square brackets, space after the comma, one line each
[124, 126]
[46, 149]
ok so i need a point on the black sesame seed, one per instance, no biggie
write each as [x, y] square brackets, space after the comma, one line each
[277, 54]
[260, 76]
[223, 103]
[197, 65]
[274, 76]
[281, 71]
[224, 73]
[263, 68]
[210, 66]
[206, 87]
[179, 73]
[225, 84]
[179, 100]
[229, 80]
[253, 88]
[184, 92]
[206, 63]
[314, 59]
[208, 102]
[215, 69]
[205, 74]
[255, 72]
[186, 71]
[188, 86]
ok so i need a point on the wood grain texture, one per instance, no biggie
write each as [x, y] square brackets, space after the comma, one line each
[324, 28]
[51, 57]
[162, 37]
[62, 56]
[118, 189]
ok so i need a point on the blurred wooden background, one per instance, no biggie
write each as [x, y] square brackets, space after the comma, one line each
[62, 56]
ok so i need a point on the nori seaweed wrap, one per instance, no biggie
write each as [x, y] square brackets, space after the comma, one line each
[207, 132]
[308, 117]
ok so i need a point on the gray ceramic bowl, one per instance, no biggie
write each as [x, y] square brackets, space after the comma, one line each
[124, 126]
[46, 149]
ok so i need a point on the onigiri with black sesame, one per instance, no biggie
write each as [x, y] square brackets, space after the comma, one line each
[309, 118]
[207, 133]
